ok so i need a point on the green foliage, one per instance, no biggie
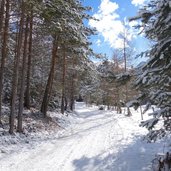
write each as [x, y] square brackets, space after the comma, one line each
[155, 79]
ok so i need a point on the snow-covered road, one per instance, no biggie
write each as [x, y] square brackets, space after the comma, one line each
[97, 140]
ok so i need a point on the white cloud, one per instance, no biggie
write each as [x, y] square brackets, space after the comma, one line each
[108, 7]
[109, 24]
[138, 2]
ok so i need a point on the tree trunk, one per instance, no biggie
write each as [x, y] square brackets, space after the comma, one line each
[72, 94]
[63, 82]
[72, 87]
[141, 112]
[4, 53]
[2, 14]
[125, 60]
[48, 89]
[126, 86]
[16, 69]
[22, 88]
[27, 93]
[66, 104]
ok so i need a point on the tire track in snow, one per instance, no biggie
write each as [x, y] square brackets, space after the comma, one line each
[88, 137]
[112, 142]
[68, 161]
[67, 155]
[94, 138]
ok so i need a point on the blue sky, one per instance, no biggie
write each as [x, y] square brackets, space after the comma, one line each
[112, 14]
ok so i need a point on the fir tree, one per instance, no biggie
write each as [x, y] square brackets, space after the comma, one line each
[155, 80]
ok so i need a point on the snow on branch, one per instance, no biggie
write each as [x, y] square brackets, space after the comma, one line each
[149, 124]
[133, 103]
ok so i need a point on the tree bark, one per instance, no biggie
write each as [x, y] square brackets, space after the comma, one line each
[63, 82]
[126, 86]
[141, 112]
[27, 93]
[72, 94]
[72, 86]
[4, 53]
[49, 84]
[2, 14]
[66, 104]
[22, 88]
[16, 69]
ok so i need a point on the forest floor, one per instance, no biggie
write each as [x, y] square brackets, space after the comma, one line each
[92, 140]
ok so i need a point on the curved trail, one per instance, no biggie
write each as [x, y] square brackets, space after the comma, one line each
[95, 142]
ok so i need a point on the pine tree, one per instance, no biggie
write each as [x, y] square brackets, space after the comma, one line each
[22, 84]
[66, 19]
[2, 5]
[16, 68]
[34, 40]
[155, 80]
[27, 92]
[4, 48]
[50, 78]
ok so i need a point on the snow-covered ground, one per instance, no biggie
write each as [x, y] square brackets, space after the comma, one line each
[93, 140]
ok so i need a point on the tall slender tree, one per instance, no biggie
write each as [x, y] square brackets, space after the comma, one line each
[48, 88]
[72, 86]
[27, 92]
[16, 67]
[4, 50]
[69, 35]
[2, 9]
[22, 86]
[63, 80]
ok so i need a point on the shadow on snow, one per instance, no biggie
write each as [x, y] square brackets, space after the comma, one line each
[134, 157]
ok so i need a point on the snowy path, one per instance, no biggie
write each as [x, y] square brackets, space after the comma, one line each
[97, 141]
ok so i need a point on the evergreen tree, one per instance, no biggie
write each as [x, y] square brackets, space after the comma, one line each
[4, 51]
[155, 80]
[19, 41]
[66, 23]
[42, 44]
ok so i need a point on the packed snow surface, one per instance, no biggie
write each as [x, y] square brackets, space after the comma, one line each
[95, 140]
